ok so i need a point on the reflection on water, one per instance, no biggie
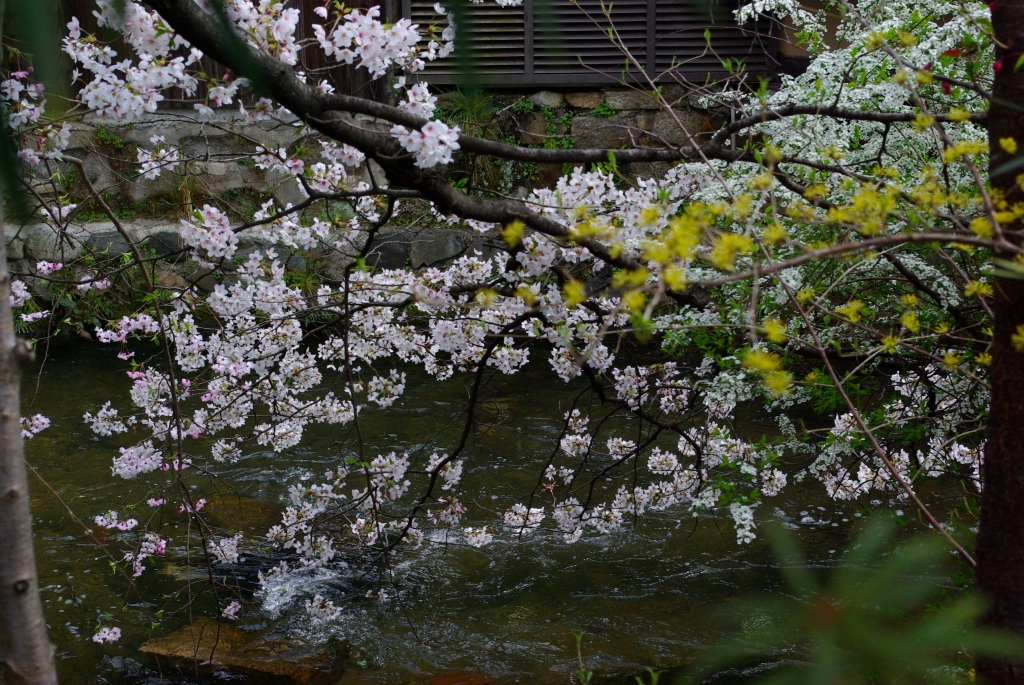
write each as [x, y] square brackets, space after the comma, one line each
[646, 596]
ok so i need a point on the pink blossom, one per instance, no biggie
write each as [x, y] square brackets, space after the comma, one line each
[107, 635]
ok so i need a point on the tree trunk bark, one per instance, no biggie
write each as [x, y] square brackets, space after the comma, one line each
[1000, 550]
[26, 655]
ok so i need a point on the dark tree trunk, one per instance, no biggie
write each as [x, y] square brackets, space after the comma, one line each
[26, 656]
[1000, 549]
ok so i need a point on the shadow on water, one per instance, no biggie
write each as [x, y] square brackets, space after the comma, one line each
[647, 596]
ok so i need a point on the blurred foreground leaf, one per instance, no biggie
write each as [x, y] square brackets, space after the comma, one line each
[876, 620]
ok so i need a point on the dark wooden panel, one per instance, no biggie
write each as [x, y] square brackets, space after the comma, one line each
[576, 34]
[681, 41]
[566, 42]
[496, 37]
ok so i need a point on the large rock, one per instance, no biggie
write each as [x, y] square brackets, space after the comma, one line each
[42, 242]
[628, 98]
[107, 245]
[601, 132]
[486, 246]
[168, 244]
[170, 279]
[208, 647]
[288, 192]
[388, 252]
[16, 249]
[548, 174]
[533, 129]
[427, 249]
[546, 98]
[587, 100]
[665, 126]
[188, 125]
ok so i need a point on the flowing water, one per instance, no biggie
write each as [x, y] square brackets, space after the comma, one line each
[648, 595]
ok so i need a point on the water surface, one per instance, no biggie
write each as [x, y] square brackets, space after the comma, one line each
[648, 595]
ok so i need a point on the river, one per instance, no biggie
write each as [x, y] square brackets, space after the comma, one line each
[649, 595]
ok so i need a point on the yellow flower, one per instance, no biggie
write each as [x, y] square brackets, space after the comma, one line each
[964, 149]
[657, 252]
[761, 181]
[588, 227]
[812, 377]
[1018, 339]
[977, 288]
[1009, 145]
[486, 297]
[743, 204]
[874, 40]
[983, 358]
[922, 122]
[958, 114]
[852, 311]
[649, 215]
[981, 227]
[684, 236]
[816, 190]
[772, 154]
[867, 211]
[805, 295]
[718, 208]
[800, 212]
[674, 277]
[763, 362]
[525, 293]
[909, 300]
[775, 233]
[778, 382]
[924, 76]
[942, 328]
[890, 342]
[629, 279]
[775, 331]
[951, 360]
[634, 300]
[575, 292]
[513, 232]
[885, 171]
[911, 322]
[727, 247]
[833, 152]
[906, 39]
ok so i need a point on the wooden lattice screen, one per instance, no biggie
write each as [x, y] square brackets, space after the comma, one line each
[544, 42]
[565, 42]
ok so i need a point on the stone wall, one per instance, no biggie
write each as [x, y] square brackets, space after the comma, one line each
[220, 148]
[393, 248]
[613, 118]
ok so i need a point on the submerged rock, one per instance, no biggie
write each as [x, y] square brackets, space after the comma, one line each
[205, 648]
